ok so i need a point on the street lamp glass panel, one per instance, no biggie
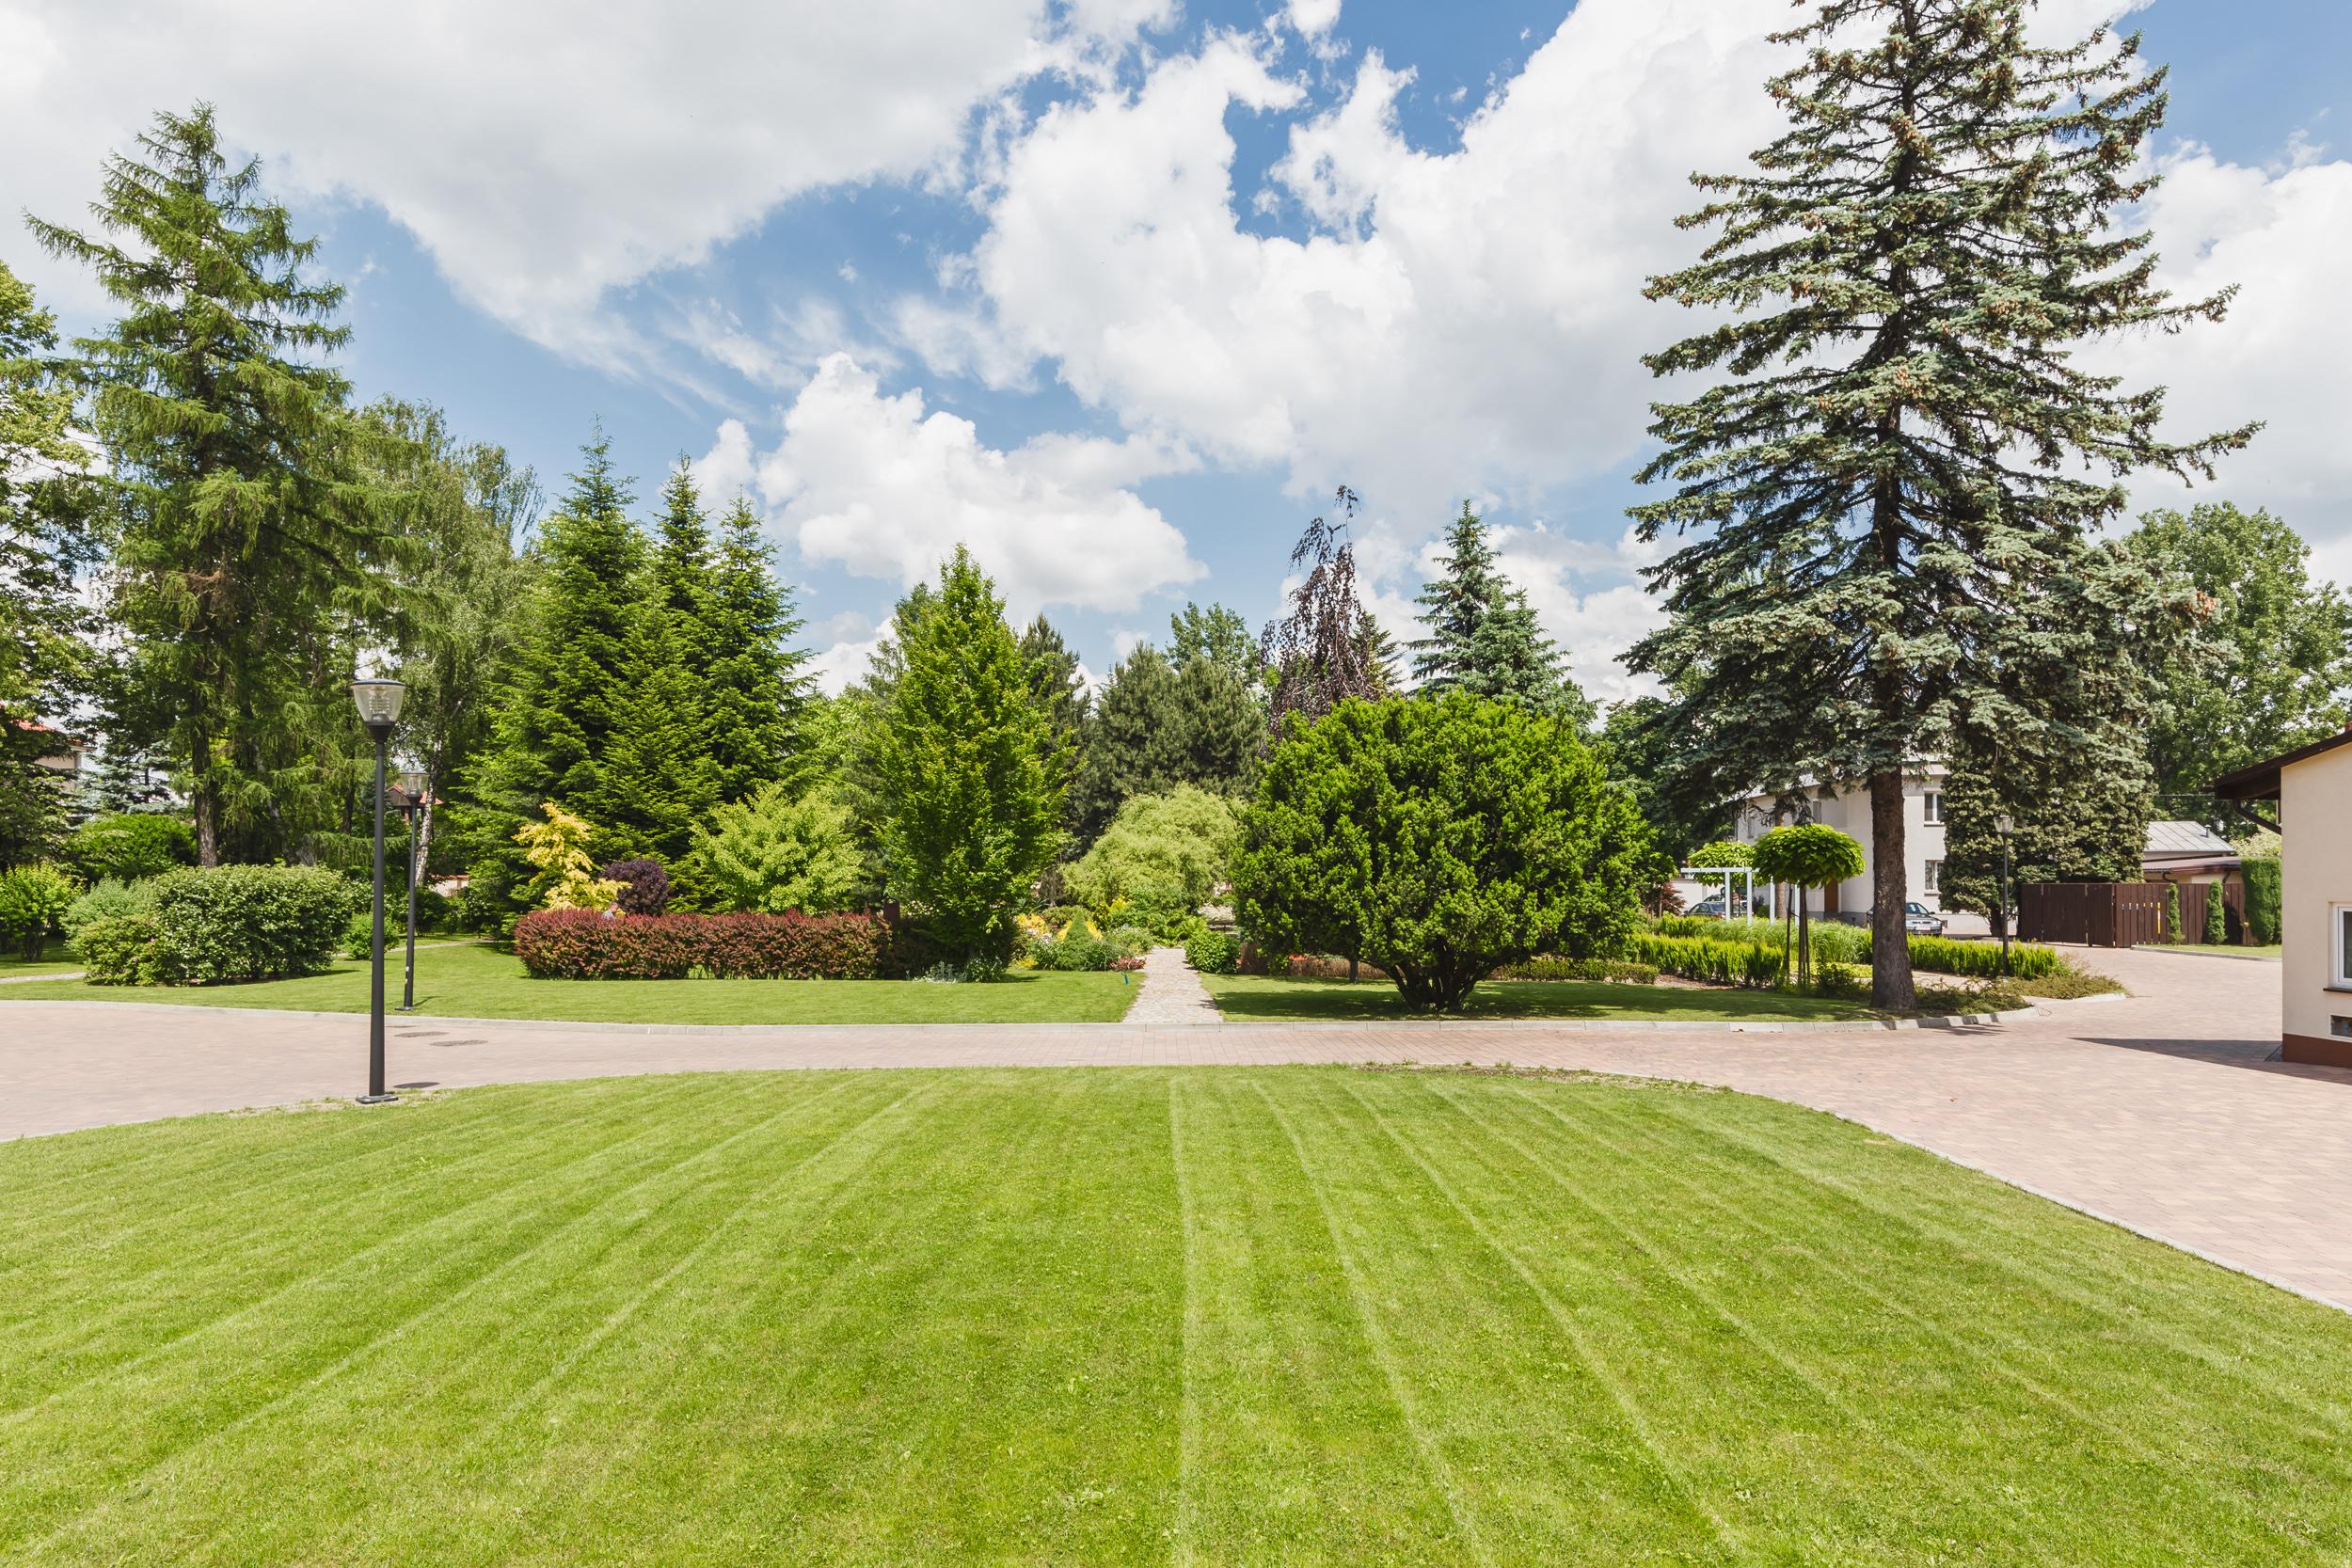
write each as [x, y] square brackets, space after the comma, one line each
[411, 783]
[2005, 825]
[379, 701]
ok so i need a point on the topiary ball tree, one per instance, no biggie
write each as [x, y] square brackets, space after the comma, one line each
[1806, 855]
[1438, 839]
[644, 886]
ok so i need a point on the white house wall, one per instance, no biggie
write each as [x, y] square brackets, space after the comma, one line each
[1848, 812]
[2316, 876]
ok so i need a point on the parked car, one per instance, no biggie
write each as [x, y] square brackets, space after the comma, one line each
[1918, 919]
[1712, 908]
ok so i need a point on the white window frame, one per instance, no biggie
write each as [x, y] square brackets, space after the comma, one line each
[1932, 803]
[2339, 972]
[1932, 876]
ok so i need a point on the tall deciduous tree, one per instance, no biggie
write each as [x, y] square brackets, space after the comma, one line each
[1897, 460]
[251, 541]
[1219, 636]
[2271, 666]
[1326, 647]
[971, 805]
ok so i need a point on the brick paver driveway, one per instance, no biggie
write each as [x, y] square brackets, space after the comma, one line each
[2159, 1112]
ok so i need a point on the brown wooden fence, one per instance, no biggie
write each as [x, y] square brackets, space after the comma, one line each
[2100, 914]
[2194, 896]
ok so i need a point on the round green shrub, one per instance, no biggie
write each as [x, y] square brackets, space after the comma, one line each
[129, 845]
[236, 923]
[119, 949]
[33, 904]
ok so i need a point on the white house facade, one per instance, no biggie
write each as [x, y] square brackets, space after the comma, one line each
[1848, 810]
[2312, 788]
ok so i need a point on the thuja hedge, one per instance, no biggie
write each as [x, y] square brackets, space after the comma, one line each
[582, 945]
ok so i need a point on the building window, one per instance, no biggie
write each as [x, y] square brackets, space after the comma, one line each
[1935, 873]
[2343, 923]
[1934, 801]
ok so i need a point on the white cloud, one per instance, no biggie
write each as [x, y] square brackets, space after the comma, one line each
[1315, 17]
[873, 483]
[544, 151]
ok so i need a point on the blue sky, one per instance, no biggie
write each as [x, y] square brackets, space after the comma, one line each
[1119, 290]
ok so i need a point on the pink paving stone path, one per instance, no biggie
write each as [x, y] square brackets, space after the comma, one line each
[2159, 1112]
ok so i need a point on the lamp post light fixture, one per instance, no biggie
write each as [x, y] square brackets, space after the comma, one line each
[411, 789]
[379, 710]
[2006, 825]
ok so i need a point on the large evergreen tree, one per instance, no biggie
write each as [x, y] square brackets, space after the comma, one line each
[660, 775]
[1220, 636]
[971, 805]
[568, 684]
[1058, 687]
[1903, 454]
[251, 542]
[1484, 637]
[1156, 727]
[45, 647]
[2270, 667]
[757, 686]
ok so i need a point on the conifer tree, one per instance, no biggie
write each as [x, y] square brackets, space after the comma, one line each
[568, 680]
[1484, 637]
[757, 686]
[660, 775]
[971, 811]
[1058, 688]
[1903, 454]
[1220, 636]
[250, 542]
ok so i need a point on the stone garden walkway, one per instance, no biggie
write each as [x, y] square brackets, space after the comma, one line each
[2159, 1111]
[1172, 993]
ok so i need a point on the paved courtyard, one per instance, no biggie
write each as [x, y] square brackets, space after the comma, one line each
[2159, 1111]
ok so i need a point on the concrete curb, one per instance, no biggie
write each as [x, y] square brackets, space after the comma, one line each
[1498, 1026]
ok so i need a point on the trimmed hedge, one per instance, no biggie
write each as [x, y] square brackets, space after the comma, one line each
[2263, 898]
[1611, 971]
[1982, 960]
[1214, 952]
[584, 945]
[224, 925]
[1750, 964]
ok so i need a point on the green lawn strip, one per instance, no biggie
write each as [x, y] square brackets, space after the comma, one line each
[1200, 1315]
[1251, 997]
[2199, 1357]
[296, 1212]
[144, 1423]
[55, 959]
[526, 1367]
[2211, 950]
[473, 981]
[1883, 1374]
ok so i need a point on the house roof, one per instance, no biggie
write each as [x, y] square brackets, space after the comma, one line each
[2169, 841]
[2261, 782]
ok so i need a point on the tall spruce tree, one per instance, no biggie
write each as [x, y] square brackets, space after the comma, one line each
[661, 776]
[1896, 464]
[971, 806]
[1484, 637]
[757, 686]
[567, 685]
[250, 542]
[1059, 688]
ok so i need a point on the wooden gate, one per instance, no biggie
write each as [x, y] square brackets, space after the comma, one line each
[2097, 914]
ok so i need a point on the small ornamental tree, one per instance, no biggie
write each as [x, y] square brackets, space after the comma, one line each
[1181, 843]
[1806, 855]
[969, 780]
[1438, 840]
[567, 877]
[777, 853]
[2216, 916]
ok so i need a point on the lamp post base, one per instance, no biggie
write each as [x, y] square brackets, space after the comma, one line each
[385, 1098]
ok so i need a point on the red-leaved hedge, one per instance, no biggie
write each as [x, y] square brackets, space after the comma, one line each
[581, 945]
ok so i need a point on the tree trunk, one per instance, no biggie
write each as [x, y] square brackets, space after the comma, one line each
[420, 851]
[1805, 942]
[207, 809]
[1891, 990]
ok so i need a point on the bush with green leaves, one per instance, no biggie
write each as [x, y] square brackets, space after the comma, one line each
[1755, 965]
[1616, 972]
[227, 924]
[2216, 917]
[779, 851]
[1438, 839]
[1721, 852]
[1171, 849]
[1214, 952]
[129, 845]
[33, 904]
[109, 898]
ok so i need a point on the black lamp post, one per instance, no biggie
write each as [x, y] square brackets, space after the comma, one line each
[411, 789]
[2006, 825]
[379, 710]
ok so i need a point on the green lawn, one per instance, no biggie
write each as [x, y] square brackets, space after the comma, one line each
[2230, 951]
[1310, 1315]
[53, 960]
[482, 982]
[1255, 996]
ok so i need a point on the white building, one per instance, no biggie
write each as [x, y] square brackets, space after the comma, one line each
[2314, 791]
[1848, 810]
